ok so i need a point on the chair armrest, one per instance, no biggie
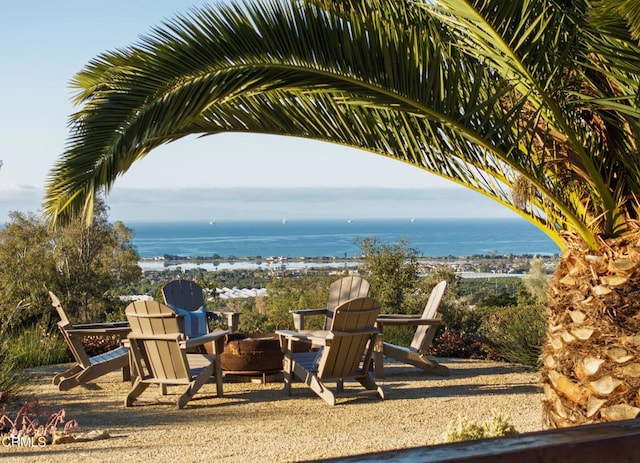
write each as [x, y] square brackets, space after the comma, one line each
[99, 331]
[399, 316]
[319, 311]
[293, 335]
[408, 321]
[203, 339]
[123, 324]
[288, 337]
[298, 316]
[158, 337]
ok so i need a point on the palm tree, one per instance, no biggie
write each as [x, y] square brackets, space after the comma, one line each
[534, 104]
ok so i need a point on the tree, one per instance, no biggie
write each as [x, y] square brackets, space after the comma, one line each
[392, 271]
[288, 294]
[27, 267]
[534, 104]
[92, 262]
[87, 265]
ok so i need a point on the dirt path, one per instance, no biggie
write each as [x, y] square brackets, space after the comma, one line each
[256, 422]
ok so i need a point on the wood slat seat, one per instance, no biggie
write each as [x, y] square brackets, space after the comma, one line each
[345, 352]
[160, 354]
[89, 368]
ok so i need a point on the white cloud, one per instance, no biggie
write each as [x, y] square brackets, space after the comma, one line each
[23, 198]
[167, 204]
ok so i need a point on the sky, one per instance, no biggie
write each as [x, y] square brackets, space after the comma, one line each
[227, 176]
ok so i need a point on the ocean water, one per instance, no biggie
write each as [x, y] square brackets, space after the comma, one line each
[337, 238]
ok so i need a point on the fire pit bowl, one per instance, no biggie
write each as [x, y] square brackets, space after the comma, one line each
[258, 353]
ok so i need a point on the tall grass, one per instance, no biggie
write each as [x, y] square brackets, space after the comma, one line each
[32, 347]
[517, 332]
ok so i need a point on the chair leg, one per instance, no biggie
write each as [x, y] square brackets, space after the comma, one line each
[218, 375]
[126, 373]
[287, 368]
[369, 384]
[66, 374]
[316, 386]
[195, 386]
[68, 383]
[137, 389]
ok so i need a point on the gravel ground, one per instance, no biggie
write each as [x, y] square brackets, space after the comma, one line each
[257, 422]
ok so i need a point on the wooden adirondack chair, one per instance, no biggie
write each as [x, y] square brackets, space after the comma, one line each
[188, 295]
[345, 353]
[159, 353]
[416, 353]
[340, 291]
[89, 368]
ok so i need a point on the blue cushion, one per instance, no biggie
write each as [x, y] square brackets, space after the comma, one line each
[195, 322]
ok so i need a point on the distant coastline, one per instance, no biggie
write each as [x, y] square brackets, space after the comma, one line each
[468, 267]
[336, 239]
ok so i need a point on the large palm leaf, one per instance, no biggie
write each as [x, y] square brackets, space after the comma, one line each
[465, 90]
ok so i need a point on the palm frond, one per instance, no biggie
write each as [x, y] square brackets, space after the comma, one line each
[440, 86]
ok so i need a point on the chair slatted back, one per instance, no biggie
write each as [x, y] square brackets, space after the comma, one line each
[352, 329]
[424, 333]
[74, 343]
[342, 290]
[155, 341]
[185, 294]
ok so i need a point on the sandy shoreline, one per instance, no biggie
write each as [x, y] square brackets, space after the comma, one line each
[257, 422]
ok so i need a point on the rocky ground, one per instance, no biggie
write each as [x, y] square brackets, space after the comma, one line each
[257, 422]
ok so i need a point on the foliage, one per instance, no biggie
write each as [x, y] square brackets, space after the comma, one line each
[32, 420]
[537, 283]
[466, 90]
[28, 266]
[459, 344]
[10, 379]
[31, 347]
[92, 263]
[296, 294]
[517, 332]
[534, 104]
[497, 426]
[392, 271]
[35, 346]
[84, 266]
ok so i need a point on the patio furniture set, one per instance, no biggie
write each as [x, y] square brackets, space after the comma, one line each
[169, 344]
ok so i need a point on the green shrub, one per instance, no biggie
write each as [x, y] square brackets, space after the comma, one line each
[10, 380]
[399, 335]
[518, 333]
[35, 346]
[32, 347]
[461, 318]
[457, 344]
[497, 426]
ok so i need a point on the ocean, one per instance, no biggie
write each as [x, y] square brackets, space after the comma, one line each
[336, 238]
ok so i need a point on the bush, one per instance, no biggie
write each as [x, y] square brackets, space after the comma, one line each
[518, 333]
[36, 346]
[457, 344]
[10, 380]
[498, 426]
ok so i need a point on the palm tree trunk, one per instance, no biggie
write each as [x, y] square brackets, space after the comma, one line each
[591, 362]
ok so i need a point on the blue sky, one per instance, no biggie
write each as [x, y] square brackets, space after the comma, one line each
[229, 176]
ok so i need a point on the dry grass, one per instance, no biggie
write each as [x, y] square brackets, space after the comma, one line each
[256, 422]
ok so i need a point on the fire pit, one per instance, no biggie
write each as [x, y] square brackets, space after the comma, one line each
[254, 355]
